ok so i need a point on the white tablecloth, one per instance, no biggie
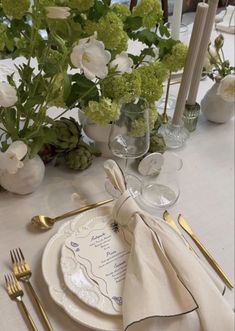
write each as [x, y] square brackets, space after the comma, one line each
[206, 201]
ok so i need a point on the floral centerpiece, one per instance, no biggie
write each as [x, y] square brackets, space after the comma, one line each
[74, 54]
[218, 103]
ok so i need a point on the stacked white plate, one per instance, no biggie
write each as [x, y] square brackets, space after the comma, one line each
[68, 282]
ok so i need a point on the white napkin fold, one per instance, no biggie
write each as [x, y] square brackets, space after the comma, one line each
[228, 22]
[166, 287]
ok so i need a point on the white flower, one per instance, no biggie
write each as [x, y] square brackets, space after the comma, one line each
[91, 57]
[8, 95]
[122, 63]
[60, 13]
[10, 160]
[226, 88]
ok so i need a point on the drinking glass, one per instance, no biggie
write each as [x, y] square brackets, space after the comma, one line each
[161, 189]
[129, 137]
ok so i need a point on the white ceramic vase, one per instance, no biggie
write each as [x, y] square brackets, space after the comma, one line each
[215, 108]
[27, 179]
[97, 132]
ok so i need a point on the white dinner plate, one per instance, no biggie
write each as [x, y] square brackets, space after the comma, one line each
[53, 276]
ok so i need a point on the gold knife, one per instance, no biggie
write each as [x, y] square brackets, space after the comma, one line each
[204, 251]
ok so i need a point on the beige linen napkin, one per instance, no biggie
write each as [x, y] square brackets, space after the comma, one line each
[166, 287]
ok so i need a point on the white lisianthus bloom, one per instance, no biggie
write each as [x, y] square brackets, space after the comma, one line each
[122, 63]
[226, 89]
[59, 13]
[10, 161]
[91, 57]
[8, 96]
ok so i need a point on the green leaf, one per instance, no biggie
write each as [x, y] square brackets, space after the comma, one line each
[148, 51]
[82, 90]
[97, 11]
[164, 31]
[133, 23]
[147, 37]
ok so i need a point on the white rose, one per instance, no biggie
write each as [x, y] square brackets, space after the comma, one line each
[122, 63]
[8, 95]
[226, 88]
[91, 57]
[10, 160]
[60, 13]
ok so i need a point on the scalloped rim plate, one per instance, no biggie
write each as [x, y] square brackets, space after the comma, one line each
[53, 276]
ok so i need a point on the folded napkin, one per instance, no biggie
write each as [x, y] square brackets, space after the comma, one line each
[166, 287]
[228, 22]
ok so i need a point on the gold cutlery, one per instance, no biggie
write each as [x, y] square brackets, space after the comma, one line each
[169, 220]
[204, 251]
[16, 293]
[46, 223]
[23, 273]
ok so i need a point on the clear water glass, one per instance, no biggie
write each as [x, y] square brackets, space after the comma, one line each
[162, 189]
[129, 137]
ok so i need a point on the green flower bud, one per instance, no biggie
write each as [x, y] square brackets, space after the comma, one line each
[219, 42]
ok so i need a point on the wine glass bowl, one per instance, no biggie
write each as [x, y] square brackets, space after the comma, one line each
[129, 138]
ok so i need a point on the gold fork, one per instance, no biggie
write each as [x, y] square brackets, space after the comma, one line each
[16, 293]
[22, 272]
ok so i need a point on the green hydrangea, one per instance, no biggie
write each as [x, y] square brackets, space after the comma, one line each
[151, 87]
[81, 5]
[15, 9]
[157, 143]
[176, 60]
[138, 128]
[110, 30]
[160, 71]
[150, 11]
[102, 112]
[123, 88]
[121, 10]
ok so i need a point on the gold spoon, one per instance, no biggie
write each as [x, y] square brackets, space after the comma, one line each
[46, 223]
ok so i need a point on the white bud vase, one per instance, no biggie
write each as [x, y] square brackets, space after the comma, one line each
[97, 132]
[27, 179]
[215, 108]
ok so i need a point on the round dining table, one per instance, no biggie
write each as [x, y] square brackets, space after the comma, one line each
[206, 201]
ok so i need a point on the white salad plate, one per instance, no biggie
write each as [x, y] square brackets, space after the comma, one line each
[76, 308]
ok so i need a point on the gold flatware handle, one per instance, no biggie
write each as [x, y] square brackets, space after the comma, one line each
[205, 252]
[81, 209]
[28, 316]
[40, 307]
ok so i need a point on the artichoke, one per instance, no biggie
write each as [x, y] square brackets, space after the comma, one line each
[157, 143]
[79, 158]
[68, 133]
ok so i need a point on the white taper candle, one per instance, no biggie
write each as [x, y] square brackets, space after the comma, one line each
[176, 19]
[196, 37]
[210, 18]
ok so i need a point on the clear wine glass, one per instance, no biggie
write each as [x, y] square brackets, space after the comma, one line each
[129, 138]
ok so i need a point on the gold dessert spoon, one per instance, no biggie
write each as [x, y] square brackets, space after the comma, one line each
[46, 223]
